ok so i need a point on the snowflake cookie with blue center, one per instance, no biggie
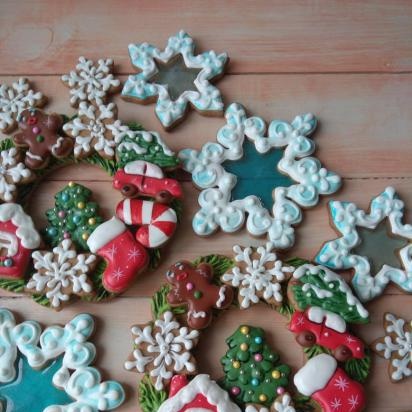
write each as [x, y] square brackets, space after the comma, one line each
[49, 370]
[241, 179]
[175, 78]
[372, 243]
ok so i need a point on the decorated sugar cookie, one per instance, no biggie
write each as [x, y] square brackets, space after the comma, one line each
[61, 273]
[13, 173]
[40, 134]
[175, 78]
[283, 403]
[192, 286]
[257, 275]
[285, 177]
[56, 362]
[396, 346]
[18, 237]
[376, 245]
[328, 385]
[91, 82]
[14, 99]
[94, 129]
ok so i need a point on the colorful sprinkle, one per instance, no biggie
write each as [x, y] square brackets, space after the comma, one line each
[81, 205]
[85, 236]
[263, 397]
[280, 390]
[255, 382]
[61, 214]
[198, 294]
[244, 330]
[236, 364]
[235, 390]
[244, 347]
[40, 138]
[275, 374]
[258, 340]
[190, 286]
[91, 221]
[36, 130]
[258, 357]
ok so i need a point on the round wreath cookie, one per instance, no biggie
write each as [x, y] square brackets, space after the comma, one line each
[319, 305]
[79, 253]
[52, 368]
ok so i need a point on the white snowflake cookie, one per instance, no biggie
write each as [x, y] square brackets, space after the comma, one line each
[13, 172]
[91, 82]
[176, 78]
[396, 346]
[63, 355]
[241, 179]
[162, 349]
[61, 273]
[94, 130]
[14, 99]
[257, 274]
[376, 245]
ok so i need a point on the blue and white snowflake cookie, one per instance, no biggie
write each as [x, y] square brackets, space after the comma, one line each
[175, 78]
[229, 198]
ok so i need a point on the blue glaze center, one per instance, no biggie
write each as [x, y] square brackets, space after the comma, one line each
[33, 390]
[257, 174]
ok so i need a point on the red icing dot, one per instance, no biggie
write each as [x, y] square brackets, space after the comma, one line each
[235, 390]
[181, 276]
[32, 120]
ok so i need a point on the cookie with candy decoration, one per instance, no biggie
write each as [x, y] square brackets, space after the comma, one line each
[282, 403]
[39, 132]
[193, 287]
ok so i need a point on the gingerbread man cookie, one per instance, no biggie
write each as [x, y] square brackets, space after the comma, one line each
[39, 132]
[192, 286]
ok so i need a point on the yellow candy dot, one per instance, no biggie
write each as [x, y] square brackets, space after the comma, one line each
[244, 330]
[91, 221]
[71, 184]
[275, 374]
[263, 398]
[244, 347]
[85, 236]
[236, 364]
[81, 205]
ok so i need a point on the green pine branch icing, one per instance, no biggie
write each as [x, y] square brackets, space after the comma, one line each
[160, 304]
[219, 263]
[150, 399]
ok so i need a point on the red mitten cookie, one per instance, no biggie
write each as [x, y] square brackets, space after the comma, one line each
[39, 132]
[192, 286]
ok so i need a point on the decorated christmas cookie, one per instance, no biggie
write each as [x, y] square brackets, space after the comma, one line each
[285, 177]
[52, 368]
[12, 173]
[257, 275]
[162, 348]
[61, 273]
[18, 237]
[253, 373]
[91, 82]
[283, 403]
[192, 286]
[376, 245]
[40, 133]
[94, 129]
[329, 385]
[15, 99]
[396, 346]
[175, 78]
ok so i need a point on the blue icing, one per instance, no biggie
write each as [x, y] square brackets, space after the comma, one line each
[257, 174]
[33, 390]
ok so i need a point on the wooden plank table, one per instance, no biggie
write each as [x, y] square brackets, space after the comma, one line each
[348, 62]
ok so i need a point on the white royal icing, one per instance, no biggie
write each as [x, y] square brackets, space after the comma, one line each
[337, 254]
[141, 167]
[332, 320]
[315, 374]
[262, 276]
[196, 315]
[397, 348]
[206, 98]
[282, 404]
[222, 297]
[168, 349]
[200, 385]
[11, 172]
[104, 233]
[14, 99]
[69, 342]
[60, 273]
[208, 173]
[26, 232]
[90, 82]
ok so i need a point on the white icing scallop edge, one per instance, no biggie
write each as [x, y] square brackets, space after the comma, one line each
[336, 254]
[216, 208]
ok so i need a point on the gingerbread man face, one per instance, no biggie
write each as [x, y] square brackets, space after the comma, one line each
[39, 132]
[192, 286]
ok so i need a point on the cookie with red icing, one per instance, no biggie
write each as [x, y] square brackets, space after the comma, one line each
[40, 133]
[193, 286]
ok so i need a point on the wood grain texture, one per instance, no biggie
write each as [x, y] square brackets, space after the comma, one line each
[338, 59]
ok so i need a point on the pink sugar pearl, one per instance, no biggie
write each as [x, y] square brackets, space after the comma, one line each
[190, 286]
[66, 235]
[235, 390]
[258, 357]
[280, 390]
[36, 130]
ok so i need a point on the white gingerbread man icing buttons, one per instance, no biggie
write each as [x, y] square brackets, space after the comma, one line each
[285, 177]
[175, 78]
[376, 245]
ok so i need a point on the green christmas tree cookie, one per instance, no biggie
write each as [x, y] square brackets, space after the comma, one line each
[73, 216]
[253, 373]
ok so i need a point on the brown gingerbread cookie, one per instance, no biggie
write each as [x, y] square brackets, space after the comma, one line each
[192, 286]
[39, 132]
